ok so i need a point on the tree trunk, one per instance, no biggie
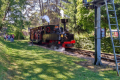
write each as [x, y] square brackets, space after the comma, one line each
[41, 4]
[6, 11]
[41, 9]
[19, 36]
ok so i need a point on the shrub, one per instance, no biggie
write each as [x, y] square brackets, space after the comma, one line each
[85, 43]
[18, 35]
[88, 43]
[107, 45]
[27, 37]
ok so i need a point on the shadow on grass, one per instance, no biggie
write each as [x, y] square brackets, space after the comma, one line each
[35, 63]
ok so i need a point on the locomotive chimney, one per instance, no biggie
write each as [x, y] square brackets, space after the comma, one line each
[64, 21]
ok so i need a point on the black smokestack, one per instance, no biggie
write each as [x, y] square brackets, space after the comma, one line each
[64, 21]
[64, 26]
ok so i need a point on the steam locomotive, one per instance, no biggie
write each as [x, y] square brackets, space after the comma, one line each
[53, 35]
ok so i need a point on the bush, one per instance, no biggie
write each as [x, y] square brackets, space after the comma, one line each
[27, 37]
[17, 33]
[85, 43]
[88, 43]
[107, 45]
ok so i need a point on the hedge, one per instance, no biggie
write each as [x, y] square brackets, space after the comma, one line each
[89, 44]
[85, 43]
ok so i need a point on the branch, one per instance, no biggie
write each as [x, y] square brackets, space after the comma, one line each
[6, 11]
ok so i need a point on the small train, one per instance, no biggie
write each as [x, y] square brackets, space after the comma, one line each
[52, 35]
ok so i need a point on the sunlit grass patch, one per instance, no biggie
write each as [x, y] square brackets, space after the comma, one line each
[23, 62]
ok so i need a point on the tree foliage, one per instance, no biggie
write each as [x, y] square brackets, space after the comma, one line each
[82, 19]
[11, 10]
[11, 14]
[78, 15]
[70, 10]
[86, 16]
[39, 8]
[21, 13]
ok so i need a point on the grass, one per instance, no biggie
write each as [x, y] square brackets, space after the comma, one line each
[18, 61]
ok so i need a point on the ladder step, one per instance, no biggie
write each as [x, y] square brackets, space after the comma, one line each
[113, 24]
[117, 54]
[118, 62]
[117, 46]
[114, 31]
[109, 3]
[115, 38]
[112, 17]
[111, 10]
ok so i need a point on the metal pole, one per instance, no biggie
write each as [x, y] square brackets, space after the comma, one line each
[97, 36]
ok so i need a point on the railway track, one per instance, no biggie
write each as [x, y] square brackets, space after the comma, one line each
[104, 56]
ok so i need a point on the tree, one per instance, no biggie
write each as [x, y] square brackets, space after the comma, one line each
[71, 9]
[39, 8]
[86, 16]
[12, 14]
[8, 7]
[4, 7]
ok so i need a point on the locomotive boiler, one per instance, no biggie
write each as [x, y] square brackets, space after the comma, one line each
[53, 35]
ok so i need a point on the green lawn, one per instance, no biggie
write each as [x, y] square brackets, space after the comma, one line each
[18, 61]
